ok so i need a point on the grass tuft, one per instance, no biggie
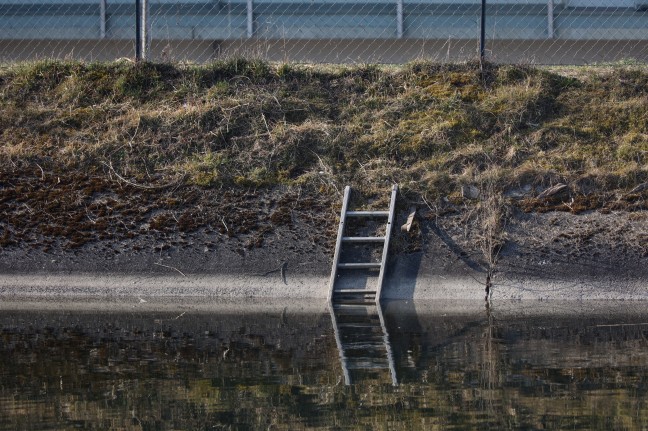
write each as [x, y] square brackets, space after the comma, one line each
[245, 123]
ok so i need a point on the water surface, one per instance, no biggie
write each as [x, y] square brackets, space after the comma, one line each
[514, 367]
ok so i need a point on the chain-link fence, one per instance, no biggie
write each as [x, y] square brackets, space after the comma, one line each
[332, 31]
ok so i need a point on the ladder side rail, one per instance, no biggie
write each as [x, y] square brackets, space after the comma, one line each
[338, 243]
[388, 348]
[390, 224]
[338, 341]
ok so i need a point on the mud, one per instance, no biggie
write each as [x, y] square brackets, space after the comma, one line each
[50, 212]
[110, 239]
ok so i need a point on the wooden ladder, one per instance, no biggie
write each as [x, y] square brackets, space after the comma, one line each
[335, 293]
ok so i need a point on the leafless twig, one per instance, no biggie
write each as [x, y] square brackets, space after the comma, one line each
[164, 186]
[170, 267]
[42, 171]
[281, 269]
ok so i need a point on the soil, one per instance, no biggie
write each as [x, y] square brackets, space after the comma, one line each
[225, 179]
[279, 242]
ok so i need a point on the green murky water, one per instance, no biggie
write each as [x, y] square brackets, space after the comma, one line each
[356, 368]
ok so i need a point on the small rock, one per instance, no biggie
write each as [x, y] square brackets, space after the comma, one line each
[469, 192]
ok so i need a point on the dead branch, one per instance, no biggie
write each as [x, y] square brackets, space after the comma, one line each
[171, 267]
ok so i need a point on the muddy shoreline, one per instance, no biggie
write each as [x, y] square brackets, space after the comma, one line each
[550, 256]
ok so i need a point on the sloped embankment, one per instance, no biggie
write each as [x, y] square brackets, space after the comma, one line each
[242, 156]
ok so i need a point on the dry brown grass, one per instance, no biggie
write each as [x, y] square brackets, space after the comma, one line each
[242, 125]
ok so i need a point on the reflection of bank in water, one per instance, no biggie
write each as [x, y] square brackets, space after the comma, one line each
[506, 364]
[527, 365]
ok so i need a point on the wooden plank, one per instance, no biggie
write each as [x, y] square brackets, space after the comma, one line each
[338, 244]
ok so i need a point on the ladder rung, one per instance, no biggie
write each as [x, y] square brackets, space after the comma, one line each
[361, 265]
[367, 213]
[356, 291]
[365, 336]
[359, 301]
[367, 367]
[363, 238]
[354, 307]
[378, 345]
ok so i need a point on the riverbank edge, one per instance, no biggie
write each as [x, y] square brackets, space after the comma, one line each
[410, 277]
[553, 256]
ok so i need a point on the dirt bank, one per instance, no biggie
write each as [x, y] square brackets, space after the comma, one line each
[225, 179]
[544, 256]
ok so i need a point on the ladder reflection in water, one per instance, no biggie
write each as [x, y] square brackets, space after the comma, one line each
[363, 342]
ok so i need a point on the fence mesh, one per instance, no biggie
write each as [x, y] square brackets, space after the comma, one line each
[332, 31]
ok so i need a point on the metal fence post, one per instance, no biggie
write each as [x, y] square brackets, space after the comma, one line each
[250, 18]
[102, 19]
[145, 30]
[399, 19]
[482, 34]
[138, 32]
[550, 19]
